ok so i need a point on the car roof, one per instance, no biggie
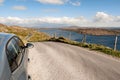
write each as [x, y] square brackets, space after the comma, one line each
[4, 38]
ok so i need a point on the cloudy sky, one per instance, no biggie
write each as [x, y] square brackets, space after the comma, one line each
[58, 13]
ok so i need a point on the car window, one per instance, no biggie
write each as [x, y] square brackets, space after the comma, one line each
[19, 42]
[14, 53]
[21, 49]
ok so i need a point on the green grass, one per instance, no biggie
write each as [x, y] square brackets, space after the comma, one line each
[95, 47]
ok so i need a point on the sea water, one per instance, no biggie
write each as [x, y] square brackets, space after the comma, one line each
[103, 40]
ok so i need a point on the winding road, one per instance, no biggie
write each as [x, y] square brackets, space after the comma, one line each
[59, 61]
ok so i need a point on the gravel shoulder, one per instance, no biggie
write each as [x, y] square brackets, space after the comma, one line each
[59, 61]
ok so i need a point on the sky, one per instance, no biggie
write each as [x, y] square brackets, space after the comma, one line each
[60, 13]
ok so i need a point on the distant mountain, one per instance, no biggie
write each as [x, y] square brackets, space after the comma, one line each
[94, 31]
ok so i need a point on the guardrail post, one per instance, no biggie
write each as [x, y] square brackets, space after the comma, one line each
[115, 44]
[28, 36]
[55, 35]
[84, 38]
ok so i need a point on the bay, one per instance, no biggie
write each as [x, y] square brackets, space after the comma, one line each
[102, 40]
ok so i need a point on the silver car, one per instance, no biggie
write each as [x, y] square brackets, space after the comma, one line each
[13, 57]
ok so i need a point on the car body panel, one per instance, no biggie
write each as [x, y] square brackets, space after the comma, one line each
[5, 73]
[20, 72]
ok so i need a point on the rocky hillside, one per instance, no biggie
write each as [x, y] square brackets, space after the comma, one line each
[24, 32]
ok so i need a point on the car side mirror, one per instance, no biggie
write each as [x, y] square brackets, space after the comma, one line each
[29, 45]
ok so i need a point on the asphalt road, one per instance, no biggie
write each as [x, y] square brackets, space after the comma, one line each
[58, 61]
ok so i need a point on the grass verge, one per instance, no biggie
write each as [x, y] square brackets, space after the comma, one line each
[95, 47]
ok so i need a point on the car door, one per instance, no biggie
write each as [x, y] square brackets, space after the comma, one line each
[17, 57]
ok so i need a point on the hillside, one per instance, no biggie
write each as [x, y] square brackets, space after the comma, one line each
[94, 31]
[23, 32]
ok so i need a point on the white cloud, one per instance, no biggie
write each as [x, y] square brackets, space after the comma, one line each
[1, 2]
[106, 20]
[101, 19]
[59, 2]
[32, 22]
[19, 8]
[117, 19]
[77, 3]
[52, 1]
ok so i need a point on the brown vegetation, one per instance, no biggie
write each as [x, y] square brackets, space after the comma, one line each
[23, 32]
[94, 31]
